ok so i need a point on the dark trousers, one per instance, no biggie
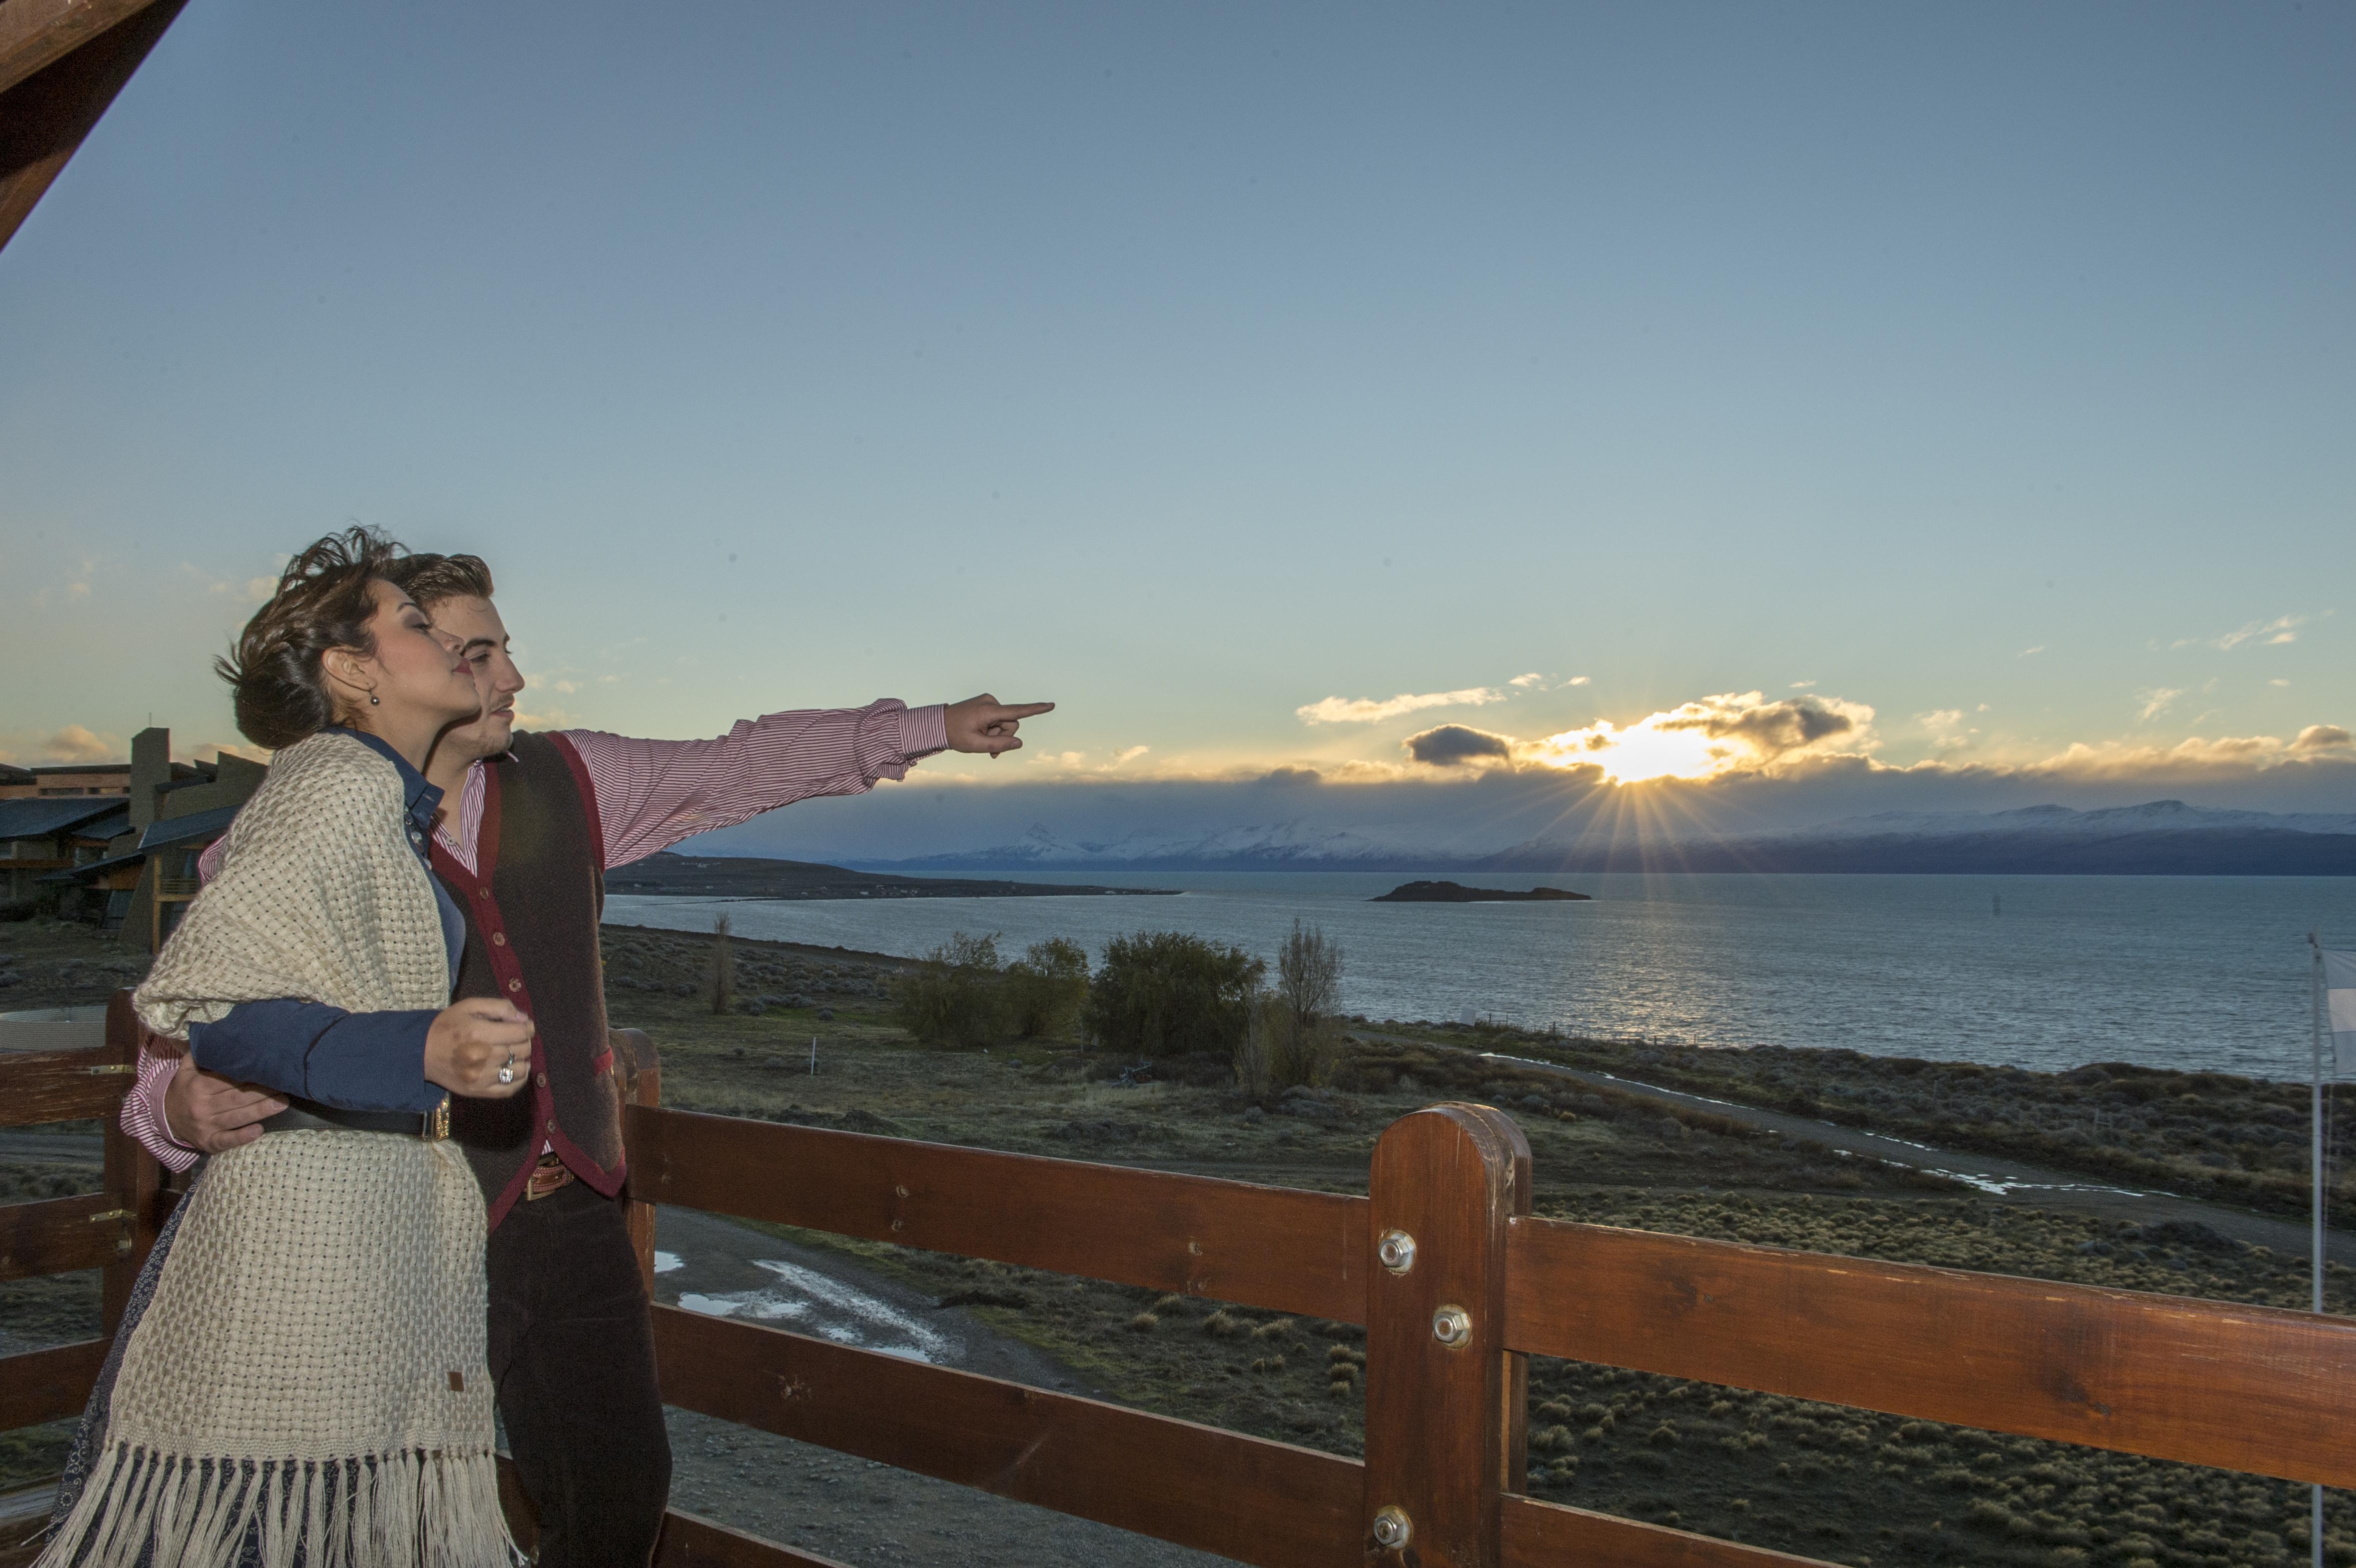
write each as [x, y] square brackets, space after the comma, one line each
[571, 1349]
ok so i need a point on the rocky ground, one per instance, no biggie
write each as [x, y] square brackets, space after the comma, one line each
[1819, 1480]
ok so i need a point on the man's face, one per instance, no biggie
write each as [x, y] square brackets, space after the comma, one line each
[483, 643]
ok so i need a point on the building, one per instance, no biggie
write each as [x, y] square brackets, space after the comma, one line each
[70, 779]
[40, 837]
[143, 875]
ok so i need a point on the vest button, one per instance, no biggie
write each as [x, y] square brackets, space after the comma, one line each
[552, 1123]
[499, 939]
[515, 985]
[543, 1080]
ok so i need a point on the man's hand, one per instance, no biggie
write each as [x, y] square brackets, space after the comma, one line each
[985, 723]
[210, 1113]
[472, 1041]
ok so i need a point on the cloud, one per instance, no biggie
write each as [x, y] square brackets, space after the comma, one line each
[2026, 652]
[2278, 680]
[2156, 701]
[1078, 761]
[1453, 746]
[2258, 633]
[1802, 685]
[252, 590]
[1946, 728]
[75, 744]
[213, 750]
[1532, 678]
[2321, 738]
[1366, 710]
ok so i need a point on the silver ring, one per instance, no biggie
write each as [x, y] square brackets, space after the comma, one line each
[507, 1069]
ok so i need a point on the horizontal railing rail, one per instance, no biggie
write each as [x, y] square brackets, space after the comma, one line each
[2162, 1376]
[1275, 1248]
[1454, 1280]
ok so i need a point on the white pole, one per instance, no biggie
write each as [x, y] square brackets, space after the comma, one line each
[2315, 1154]
[813, 1055]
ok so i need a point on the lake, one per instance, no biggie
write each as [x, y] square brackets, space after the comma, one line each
[2191, 973]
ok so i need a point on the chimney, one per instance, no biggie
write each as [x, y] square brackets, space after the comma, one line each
[151, 769]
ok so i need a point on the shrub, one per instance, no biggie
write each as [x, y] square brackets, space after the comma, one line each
[724, 966]
[1161, 993]
[1047, 988]
[955, 994]
[1278, 1051]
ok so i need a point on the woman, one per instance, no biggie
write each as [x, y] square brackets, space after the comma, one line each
[306, 1382]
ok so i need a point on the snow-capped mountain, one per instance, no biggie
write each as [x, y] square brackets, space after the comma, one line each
[2155, 837]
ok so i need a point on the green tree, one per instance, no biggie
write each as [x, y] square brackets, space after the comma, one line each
[1161, 993]
[1047, 988]
[957, 993]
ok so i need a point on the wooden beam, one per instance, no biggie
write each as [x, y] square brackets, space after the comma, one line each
[2170, 1377]
[687, 1540]
[1444, 1414]
[1269, 1247]
[59, 1235]
[63, 1086]
[48, 1385]
[37, 34]
[691, 1540]
[1271, 1503]
[46, 111]
[1547, 1535]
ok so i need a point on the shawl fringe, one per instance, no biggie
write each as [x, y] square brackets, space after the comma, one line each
[414, 1509]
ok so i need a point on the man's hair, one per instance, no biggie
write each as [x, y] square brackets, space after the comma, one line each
[429, 578]
[279, 691]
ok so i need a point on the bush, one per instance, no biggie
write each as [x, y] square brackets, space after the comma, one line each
[1047, 988]
[1278, 1051]
[1161, 993]
[957, 993]
[724, 966]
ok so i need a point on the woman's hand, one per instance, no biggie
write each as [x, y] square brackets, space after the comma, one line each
[985, 723]
[472, 1041]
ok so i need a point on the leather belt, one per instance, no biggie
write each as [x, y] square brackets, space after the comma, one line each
[546, 1177]
[301, 1114]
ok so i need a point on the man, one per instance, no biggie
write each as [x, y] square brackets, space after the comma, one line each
[527, 827]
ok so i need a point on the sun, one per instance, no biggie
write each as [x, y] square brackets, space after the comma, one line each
[1637, 754]
[1644, 751]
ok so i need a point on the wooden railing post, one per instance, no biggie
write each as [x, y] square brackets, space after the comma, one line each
[641, 1072]
[132, 1179]
[1444, 1397]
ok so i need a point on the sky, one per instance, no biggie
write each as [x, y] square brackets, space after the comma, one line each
[1886, 404]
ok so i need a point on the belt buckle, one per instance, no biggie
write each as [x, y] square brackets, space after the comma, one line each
[550, 1175]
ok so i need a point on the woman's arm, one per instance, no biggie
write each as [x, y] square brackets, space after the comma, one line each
[369, 1061]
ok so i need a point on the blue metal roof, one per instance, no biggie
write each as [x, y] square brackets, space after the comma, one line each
[36, 816]
[194, 825]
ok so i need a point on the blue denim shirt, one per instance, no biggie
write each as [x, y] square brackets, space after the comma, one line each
[356, 1061]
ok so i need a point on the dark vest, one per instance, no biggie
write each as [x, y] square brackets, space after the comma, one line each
[533, 908]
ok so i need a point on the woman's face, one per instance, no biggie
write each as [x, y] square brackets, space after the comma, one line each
[417, 675]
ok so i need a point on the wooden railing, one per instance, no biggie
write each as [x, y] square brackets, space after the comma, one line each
[1454, 1280]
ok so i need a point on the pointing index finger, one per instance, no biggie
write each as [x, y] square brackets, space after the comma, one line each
[1022, 710]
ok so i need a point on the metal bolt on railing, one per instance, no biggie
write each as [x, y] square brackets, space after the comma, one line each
[1396, 1250]
[1393, 1529]
[1452, 1325]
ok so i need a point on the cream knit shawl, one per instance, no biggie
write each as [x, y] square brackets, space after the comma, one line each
[319, 896]
[309, 1378]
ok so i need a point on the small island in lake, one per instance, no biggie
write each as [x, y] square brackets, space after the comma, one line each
[1457, 893]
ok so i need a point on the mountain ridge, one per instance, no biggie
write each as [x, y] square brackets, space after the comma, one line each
[2168, 837]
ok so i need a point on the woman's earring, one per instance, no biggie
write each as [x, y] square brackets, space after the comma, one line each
[372, 702]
